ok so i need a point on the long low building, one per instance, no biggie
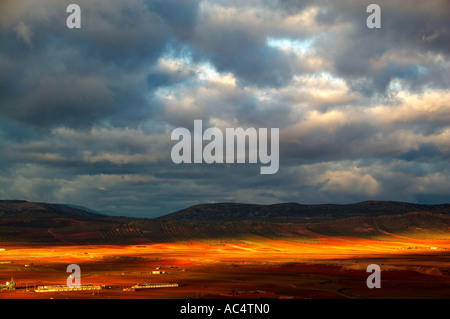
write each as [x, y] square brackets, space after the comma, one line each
[154, 285]
[66, 288]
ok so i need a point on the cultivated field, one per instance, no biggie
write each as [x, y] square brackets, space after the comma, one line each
[247, 267]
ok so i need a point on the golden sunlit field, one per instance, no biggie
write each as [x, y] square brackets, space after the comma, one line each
[254, 267]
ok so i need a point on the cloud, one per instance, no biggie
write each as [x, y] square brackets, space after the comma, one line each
[86, 114]
[91, 74]
[24, 32]
[353, 182]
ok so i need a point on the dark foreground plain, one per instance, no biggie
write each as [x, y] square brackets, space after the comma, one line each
[210, 259]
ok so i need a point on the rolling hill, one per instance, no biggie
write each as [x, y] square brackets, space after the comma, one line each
[294, 211]
[23, 210]
[22, 221]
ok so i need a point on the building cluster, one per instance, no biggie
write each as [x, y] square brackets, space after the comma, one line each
[67, 288]
[10, 285]
[154, 285]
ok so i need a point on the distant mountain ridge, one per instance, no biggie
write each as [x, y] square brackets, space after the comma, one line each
[18, 209]
[44, 223]
[295, 211]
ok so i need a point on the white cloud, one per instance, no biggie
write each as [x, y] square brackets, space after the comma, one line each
[24, 32]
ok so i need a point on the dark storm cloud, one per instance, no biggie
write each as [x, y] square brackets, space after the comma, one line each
[425, 153]
[347, 142]
[251, 61]
[86, 114]
[80, 77]
[412, 31]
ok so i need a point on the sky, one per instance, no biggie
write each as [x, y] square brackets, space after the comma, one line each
[86, 114]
